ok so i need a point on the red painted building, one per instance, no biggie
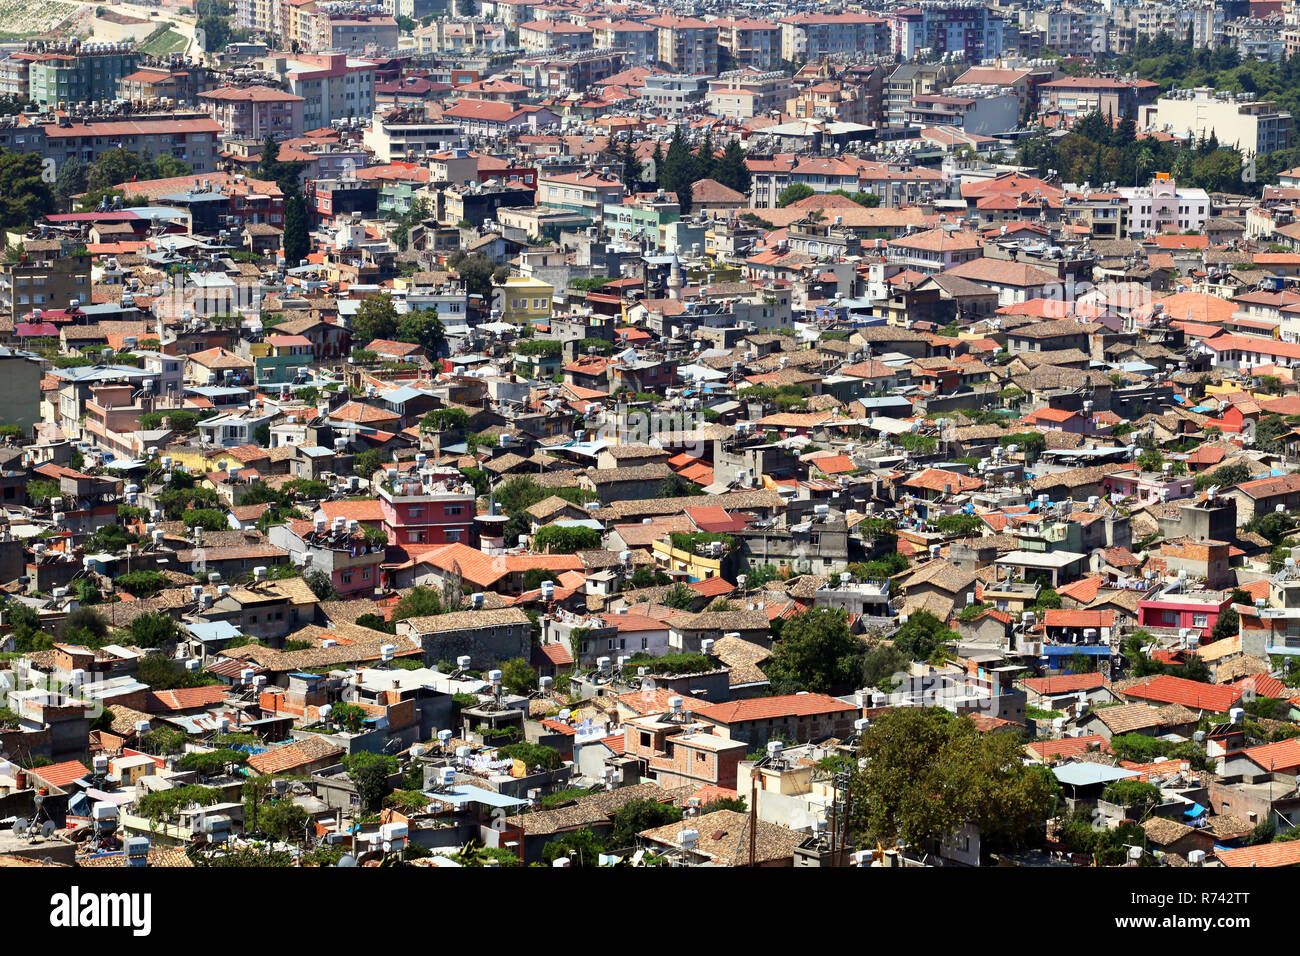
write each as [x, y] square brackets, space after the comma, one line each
[422, 512]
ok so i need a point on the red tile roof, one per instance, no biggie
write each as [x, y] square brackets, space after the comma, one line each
[712, 587]
[766, 708]
[1068, 747]
[1065, 683]
[61, 774]
[1060, 617]
[1191, 694]
[1263, 854]
[186, 698]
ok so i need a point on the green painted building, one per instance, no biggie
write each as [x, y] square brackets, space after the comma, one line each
[80, 77]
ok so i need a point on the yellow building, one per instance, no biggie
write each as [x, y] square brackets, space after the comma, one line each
[522, 300]
[696, 566]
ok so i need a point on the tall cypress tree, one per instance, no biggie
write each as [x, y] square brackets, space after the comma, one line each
[297, 241]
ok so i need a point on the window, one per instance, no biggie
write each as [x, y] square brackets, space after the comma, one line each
[1200, 620]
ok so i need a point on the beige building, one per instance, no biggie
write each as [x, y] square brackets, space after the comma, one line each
[1251, 126]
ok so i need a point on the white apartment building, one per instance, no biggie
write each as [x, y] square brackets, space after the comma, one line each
[1238, 120]
[1163, 207]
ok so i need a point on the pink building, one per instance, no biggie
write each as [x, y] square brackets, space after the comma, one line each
[1171, 608]
[254, 112]
[1148, 487]
[421, 512]
[339, 548]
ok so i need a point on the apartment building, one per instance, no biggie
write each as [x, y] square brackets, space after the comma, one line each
[744, 94]
[539, 36]
[1069, 32]
[639, 41]
[1163, 207]
[255, 112]
[1077, 96]
[402, 133]
[966, 28]
[332, 86]
[43, 278]
[981, 110]
[91, 73]
[810, 36]
[1238, 120]
[686, 45]
[750, 42]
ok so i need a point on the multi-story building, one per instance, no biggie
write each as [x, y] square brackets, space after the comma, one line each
[332, 86]
[744, 94]
[538, 36]
[553, 72]
[673, 92]
[426, 510]
[809, 36]
[586, 192]
[43, 278]
[982, 110]
[259, 16]
[181, 84]
[911, 80]
[966, 28]
[831, 100]
[1070, 32]
[89, 74]
[488, 118]
[15, 77]
[189, 137]
[1077, 96]
[638, 41]
[255, 112]
[1255, 39]
[1163, 207]
[406, 133]
[1238, 120]
[352, 32]
[749, 42]
[686, 44]
[522, 300]
[245, 200]
[340, 549]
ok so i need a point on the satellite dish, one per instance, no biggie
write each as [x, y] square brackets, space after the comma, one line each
[20, 827]
[347, 859]
[47, 829]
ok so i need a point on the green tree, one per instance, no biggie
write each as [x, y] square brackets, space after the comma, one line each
[581, 847]
[793, 193]
[422, 327]
[680, 597]
[154, 629]
[558, 539]
[376, 318]
[370, 773]
[477, 272]
[24, 193]
[320, 585]
[209, 519]
[296, 240]
[922, 635]
[929, 772]
[817, 652]
[420, 601]
[731, 170]
[637, 816]
[518, 677]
